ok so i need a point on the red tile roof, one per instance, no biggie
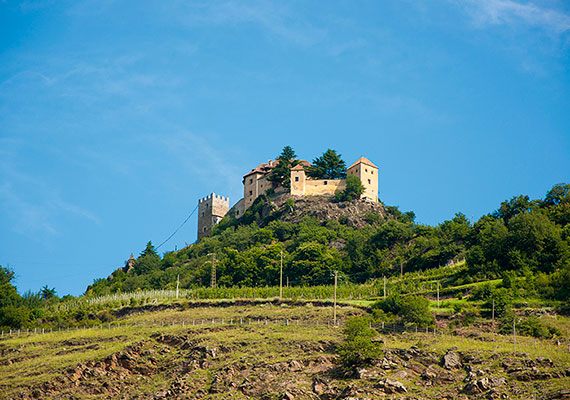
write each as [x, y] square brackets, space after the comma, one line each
[265, 168]
[363, 160]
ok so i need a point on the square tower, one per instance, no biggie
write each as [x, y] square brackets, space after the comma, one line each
[211, 210]
[368, 174]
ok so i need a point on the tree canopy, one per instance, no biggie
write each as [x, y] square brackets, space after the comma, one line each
[281, 174]
[328, 166]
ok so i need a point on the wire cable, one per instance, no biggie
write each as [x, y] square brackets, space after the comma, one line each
[177, 229]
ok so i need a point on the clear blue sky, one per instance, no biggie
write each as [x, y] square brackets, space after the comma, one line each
[115, 117]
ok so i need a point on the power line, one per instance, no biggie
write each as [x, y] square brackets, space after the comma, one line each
[177, 229]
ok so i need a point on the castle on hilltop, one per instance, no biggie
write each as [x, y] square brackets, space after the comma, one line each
[213, 208]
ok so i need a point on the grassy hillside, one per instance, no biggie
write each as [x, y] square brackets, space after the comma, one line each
[270, 351]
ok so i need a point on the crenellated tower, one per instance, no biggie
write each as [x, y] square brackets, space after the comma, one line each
[211, 210]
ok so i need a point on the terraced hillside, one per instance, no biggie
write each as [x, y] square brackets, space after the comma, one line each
[271, 351]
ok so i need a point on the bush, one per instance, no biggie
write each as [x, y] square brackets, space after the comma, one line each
[353, 190]
[358, 349]
[410, 309]
[502, 299]
[13, 317]
[532, 326]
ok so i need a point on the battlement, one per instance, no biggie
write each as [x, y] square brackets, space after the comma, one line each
[211, 210]
[214, 196]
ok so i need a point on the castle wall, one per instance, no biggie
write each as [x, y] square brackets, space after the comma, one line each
[250, 189]
[298, 179]
[211, 210]
[254, 185]
[238, 209]
[316, 187]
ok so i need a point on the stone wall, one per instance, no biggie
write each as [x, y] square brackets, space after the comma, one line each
[316, 187]
[211, 210]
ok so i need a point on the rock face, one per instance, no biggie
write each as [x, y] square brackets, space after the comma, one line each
[356, 213]
[483, 385]
[391, 387]
[451, 361]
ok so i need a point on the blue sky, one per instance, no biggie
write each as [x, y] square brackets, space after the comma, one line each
[115, 117]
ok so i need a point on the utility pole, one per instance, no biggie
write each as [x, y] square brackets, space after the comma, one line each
[514, 338]
[213, 280]
[493, 318]
[384, 287]
[281, 278]
[334, 307]
[177, 285]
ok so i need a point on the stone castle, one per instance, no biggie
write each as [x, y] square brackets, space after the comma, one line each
[213, 208]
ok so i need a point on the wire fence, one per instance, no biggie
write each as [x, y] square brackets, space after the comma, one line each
[519, 345]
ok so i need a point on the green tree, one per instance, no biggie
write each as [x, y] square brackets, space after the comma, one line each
[281, 174]
[8, 294]
[353, 189]
[148, 261]
[48, 293]
[358, 349]
[560, 193]
[516, 205]
[412, 309]
[328, 166]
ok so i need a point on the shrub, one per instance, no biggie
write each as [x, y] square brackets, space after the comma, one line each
[358, 349]
[532, 326]
[353, 189]
[372, 218]
[410, 309]
[502, 299]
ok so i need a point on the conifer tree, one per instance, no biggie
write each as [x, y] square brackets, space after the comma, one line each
[328, 166]
[281, 174]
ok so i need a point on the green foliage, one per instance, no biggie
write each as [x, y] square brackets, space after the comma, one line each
[523, 235]
[148, 261]
[328, 166]
[281, 174]
[353, 189]
[501, 299]
[532, 326]
[358, 349]
[372, 218]
[410, 309]
[524, 243]
[48, 293]
[14, 317]
[8, 294]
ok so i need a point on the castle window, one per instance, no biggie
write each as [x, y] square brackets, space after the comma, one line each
[366, 170]
[204, 229]
[369, 181]
[296, 179]
[250, 192]
[326, 183]
[372, 172]
[251, 181]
